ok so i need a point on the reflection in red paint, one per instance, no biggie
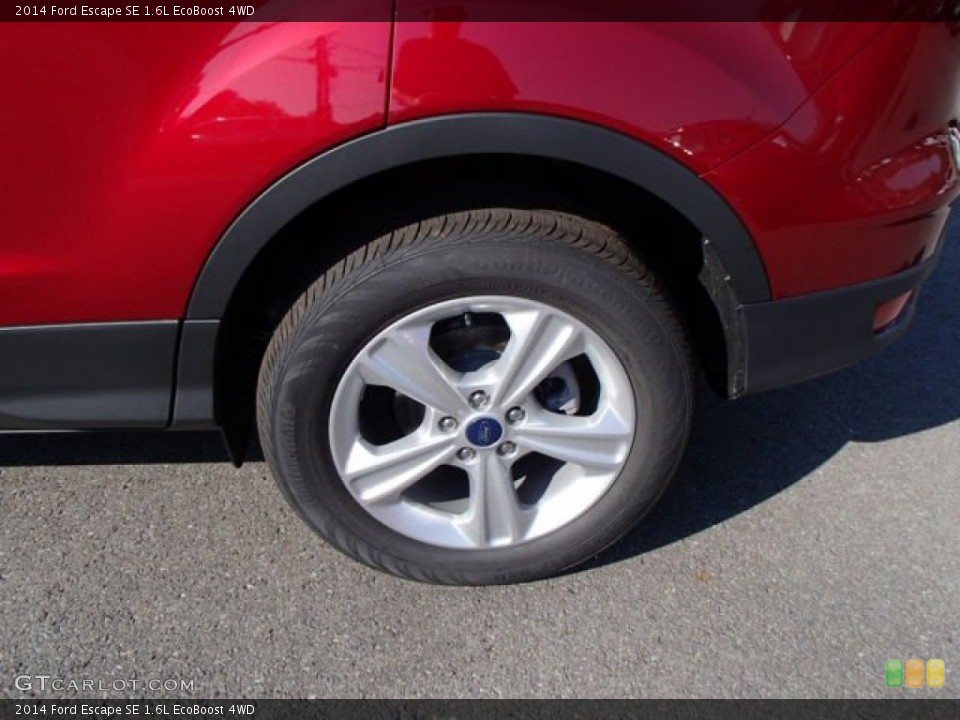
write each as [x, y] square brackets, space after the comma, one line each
[446, 67]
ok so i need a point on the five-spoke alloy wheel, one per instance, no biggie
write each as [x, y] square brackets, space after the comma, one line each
[484, 417]
[488, 397]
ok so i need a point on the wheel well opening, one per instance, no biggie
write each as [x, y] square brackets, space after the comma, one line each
[346, 220]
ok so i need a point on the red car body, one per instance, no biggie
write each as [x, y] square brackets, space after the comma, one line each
[148, 167]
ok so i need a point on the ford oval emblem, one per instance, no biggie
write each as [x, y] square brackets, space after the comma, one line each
[484, 432]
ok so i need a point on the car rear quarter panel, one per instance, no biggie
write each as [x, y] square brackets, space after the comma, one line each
[129, 148]
[856, 185]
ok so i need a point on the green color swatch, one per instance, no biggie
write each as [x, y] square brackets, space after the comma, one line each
[894, 673]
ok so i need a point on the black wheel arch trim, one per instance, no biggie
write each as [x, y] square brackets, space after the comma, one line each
[476, 134]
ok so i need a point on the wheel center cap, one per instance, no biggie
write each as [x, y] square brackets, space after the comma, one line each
[484, 432]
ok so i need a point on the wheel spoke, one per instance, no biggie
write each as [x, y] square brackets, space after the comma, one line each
[403, 360]
[598, 441]
[494, 516]
[539, 342]
[380, 473]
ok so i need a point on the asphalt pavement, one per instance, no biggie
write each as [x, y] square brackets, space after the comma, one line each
[813, 534]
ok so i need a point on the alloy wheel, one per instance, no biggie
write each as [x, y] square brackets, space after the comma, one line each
[482, 422]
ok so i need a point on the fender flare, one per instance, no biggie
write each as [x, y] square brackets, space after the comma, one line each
[479, 134]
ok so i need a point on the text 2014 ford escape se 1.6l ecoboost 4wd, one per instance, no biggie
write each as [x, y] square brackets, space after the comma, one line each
[459, 274]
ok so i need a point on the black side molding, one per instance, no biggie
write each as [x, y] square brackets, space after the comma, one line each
[96, 375]
[792, 340]
[477, 134]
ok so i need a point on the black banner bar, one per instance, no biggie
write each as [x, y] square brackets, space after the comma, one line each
[479, 10]
[476, 709]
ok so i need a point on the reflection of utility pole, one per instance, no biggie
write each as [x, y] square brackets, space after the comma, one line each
[320, 62]
[325, 73]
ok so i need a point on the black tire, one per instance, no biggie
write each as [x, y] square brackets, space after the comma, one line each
[580, 267]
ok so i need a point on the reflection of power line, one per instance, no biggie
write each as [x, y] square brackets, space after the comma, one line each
[340, 66]
[334, 48]
[348, 47]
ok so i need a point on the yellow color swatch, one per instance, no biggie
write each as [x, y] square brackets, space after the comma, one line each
[936, 673]
[914, 673]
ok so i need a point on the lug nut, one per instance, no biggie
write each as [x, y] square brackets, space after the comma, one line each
[466, 453]
[515, 415]
[448, 424]
[478, 399]
[507, 448]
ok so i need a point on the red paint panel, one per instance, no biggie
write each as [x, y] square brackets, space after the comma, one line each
[855, 186]
[699, 91]
[129, 148]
